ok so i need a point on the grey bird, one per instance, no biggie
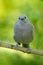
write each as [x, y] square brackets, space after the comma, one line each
[23, 31]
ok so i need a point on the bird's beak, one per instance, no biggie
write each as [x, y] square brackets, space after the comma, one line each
[22, 19]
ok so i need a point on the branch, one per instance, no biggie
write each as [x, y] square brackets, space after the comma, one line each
[12, 46]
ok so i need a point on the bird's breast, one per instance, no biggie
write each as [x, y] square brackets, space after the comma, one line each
[23, 31]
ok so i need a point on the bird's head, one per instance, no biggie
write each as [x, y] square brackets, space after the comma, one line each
[22, 17]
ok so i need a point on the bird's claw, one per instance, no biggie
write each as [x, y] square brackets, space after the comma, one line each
[16, 46]
[28, 49]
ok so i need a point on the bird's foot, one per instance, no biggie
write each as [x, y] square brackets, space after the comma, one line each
[29, 50]
[16, 46]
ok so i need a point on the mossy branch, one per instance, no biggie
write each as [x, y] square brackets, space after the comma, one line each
[12, 46]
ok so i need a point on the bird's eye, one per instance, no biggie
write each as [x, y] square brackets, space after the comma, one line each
[19, 17]
[25, 17]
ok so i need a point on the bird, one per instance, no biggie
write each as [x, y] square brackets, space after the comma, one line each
[23, 31]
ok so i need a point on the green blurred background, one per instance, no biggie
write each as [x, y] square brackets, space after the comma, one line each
[9, 12]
